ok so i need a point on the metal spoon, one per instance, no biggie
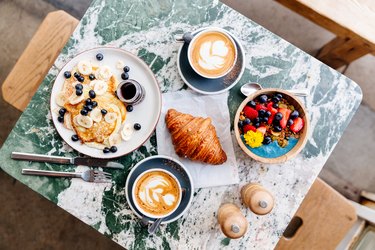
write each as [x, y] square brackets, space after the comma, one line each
[249, 88]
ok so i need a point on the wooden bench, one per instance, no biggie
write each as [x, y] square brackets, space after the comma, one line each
[38, 57]
[353, 22]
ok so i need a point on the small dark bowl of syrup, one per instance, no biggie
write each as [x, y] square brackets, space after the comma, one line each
[130, 92]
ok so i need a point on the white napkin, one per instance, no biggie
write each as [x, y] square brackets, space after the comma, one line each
[215, 107]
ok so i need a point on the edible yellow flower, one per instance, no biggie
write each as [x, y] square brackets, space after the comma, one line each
[253, 139]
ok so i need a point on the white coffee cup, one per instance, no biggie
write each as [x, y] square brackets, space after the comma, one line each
[140, 206]
[213, 61]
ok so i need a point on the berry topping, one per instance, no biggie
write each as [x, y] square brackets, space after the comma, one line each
[129, 108]
[88, 101]
[88, 107]
[247, 121]
[251, 104]
[294, 114]
[240, 124]
[91, 77]
[60, 118]
[285, 113]
[113, 149]
[290, 122]
[126, 69]
[257, 124]
[267, 140]
[67, 74]
[275, 105]
[247, 128]
[79, 92]
[277, 128]
[275, 99]
[297, 125]
[278, 116]
[94, 104]
[137, 126]
[80, 78]
[75, 138]
[267, 114]
[262, 129]
[62, 111]
[99, 56]
[280, 96]
[76, 74]
[250, 112]
[106, 150]
[92, 94]
[260, 106]
[125, 76]
[263, 98]
[103, 111]
[262, 112]
[79, 86]
[84, 112]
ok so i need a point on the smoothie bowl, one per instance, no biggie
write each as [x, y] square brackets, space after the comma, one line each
[271, 126]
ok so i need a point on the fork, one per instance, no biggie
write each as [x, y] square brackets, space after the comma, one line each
[88, 175]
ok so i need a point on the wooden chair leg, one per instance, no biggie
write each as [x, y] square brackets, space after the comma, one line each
[342, 51]
[37, 59]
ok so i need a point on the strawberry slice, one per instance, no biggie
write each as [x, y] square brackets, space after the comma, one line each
[248, 127]
[286, 113]
[260, 106]
[250, 112]
[262, 129]
[297, 125]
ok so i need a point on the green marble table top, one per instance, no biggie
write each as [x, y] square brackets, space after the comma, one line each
[147, 28]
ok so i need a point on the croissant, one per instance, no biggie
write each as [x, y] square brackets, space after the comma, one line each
[194, 138]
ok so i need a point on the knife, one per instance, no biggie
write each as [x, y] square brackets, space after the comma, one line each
[91, 162]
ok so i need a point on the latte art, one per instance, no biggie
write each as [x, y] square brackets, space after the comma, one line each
[157, 193]
[213, 54]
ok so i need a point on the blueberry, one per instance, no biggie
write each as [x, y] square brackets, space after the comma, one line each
[91, 77]
[263, 98]
[246, 121]
[240, 124]
[261, 112]
[294, 114]
[256, 120]
[103, 111]
[89, 107]
[125, 76]
[79, 92]
[275, 105]
[137, 126]
[278, 116]
[75, 138]
[129, 108]
[280, 96]
[92, 94]
[60, 118]
[265, 119]
[79, 86]
[275, 99]
[290, 122]
[94, 104]
[81, 79]
[62, 111]
[113, 149]
[88, 101]
[276, 122]
[251, 104]
[106, 150]
[67, 74]
[257, 125]
[84, 112]
[126, 69]
[267, 140]
[268, 114]
[99, 56]
[76, 74]
[277, 128]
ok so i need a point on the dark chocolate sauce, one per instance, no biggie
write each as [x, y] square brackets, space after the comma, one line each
[128, 91]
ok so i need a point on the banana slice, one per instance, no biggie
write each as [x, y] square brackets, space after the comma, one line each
[68, 121]
[74, 99]
[95, 145]
[84, 121]
[103, 73]
[120, 64]
[100, 88]
[114, 139]
[127, 131]
[61, 99]
[84, 67]
[110, 117]
[96, 115]
[93, 83]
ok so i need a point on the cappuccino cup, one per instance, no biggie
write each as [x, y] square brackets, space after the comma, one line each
[156, 193]
[212, 53]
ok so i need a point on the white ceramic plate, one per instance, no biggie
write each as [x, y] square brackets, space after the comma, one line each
[146, 113]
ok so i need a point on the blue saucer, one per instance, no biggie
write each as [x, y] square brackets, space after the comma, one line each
[171, 165]
[210, 86]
